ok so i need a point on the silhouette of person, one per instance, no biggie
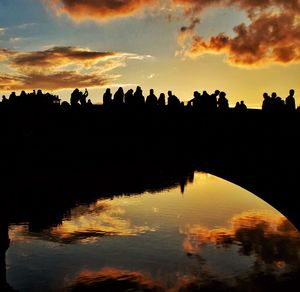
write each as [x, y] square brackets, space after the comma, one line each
[189, 104]
[205, 101]
[161, 100]
[170, 96]
[39, 94]
[89, 103]
[196, 101]
[13, 97]
[129, 98]
[83, 96]
[119, 97]
[151, 100]
[4, 99]
[173, 101]
[65, 105]
[23, 95]
[243, 106]
[279, 104]
[237, 106]
[212, 104]
[33, 93]
[75, 97]
[107, 97]
[223, 101]
[290, 101]
[273, 101]
[266, 105]
[139, 99]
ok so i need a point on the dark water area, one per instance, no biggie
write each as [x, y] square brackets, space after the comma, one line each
[196, 232]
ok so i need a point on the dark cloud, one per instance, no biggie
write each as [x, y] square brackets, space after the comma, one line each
[59, 56]
[188, 31]
[100, 9]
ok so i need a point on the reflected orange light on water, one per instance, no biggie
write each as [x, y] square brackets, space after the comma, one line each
[112, 279]
[85, 224]
[271, 238]
[209, 201]
[214, 236]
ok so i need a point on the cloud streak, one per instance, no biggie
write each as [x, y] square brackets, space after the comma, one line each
[60, 56]
[59, 68]
[54, 81]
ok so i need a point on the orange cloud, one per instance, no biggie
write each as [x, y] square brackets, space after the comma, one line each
[59, 68]
[268, 39]
[5, 54]
[273, 35]
[251, 6]
[10, 82]
[100, 9]
[54, 81]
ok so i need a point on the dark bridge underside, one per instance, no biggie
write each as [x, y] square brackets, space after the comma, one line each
[51, 160]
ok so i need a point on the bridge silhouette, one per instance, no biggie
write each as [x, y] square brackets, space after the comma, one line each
[253, 149]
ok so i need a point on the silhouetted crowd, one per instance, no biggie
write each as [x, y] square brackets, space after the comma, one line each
[137, 100]
[275, 103]
[203, 102]
[32, 99]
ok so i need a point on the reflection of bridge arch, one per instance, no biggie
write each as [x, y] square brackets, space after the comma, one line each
[276, 188]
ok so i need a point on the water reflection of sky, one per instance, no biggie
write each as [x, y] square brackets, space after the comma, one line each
[215, 235]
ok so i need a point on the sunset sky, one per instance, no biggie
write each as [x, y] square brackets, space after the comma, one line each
[243, 47]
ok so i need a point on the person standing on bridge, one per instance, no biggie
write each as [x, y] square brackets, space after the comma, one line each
[290, 103]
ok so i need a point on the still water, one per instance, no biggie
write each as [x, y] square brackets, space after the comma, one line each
[215, 236]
